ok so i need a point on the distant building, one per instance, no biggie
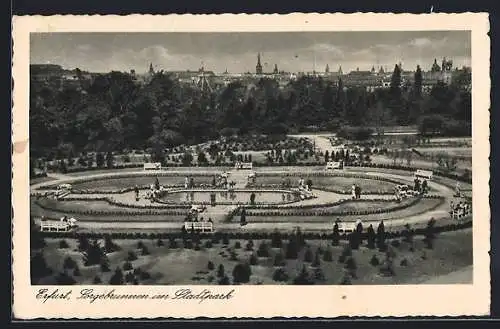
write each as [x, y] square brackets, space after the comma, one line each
[258, 67]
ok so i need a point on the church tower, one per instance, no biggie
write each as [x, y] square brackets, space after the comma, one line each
[327, 69]
[151, 70]
[258, 67]
[275, 71]
[340, 70]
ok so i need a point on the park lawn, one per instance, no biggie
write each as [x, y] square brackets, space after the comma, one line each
[452, 251]
[113, 184]
[37, 211]
[333, 182]
[41, 180]
[421, 207]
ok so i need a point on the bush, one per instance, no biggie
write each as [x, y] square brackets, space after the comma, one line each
[374, 261]
[280, 275]
[173, 244]
[308, 255]
[351, 266]
[346, 280]
[127, 266]
[76, 272]
[129, 277]
[404, 262]
[208, 244]
[210, 266]
[140, 245]
[249, 246]
[97, 280]
[241, 273]
[64, 278]
[327, 255]
[144, 275]
[263, 250]
[63, 244]
[160, 243]
[316, 262]
[237, 245]
[220, 271]
[279, 260]
[253, 260]
[104, 264]
[224, 281]
[131, 256]
[117, 278]
[69, 263]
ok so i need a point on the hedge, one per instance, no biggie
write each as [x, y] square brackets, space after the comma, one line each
[251, 235]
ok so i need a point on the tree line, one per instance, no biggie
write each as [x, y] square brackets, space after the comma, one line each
[113, 112]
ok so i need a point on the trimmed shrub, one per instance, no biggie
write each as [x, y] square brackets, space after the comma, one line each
[131, 256]
[127, 266]
[210, 266]
[374, 261]
[280, 275]
[63, 244]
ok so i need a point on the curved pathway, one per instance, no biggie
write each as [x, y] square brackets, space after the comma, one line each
[217, 213]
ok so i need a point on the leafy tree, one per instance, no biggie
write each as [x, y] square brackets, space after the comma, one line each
[276, 241]
[280, 275]
[308, 255]
[220, 271]
[303, 278]
[99, 160]
[371, 237]
[109, 245]
[327, 255]
[241, 273]
[93, 254]
[38, 267]
[335, 235]
[117, 278]
[263, 250]
[381, 245]
[110, 159]
[430, 233]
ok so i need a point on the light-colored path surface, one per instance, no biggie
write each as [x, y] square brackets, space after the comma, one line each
[218, 213]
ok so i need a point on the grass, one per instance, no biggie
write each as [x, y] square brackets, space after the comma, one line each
[37, 211]
[452, 252]
[110, 184]
[421, 207]
[335, 182]
[41, 180]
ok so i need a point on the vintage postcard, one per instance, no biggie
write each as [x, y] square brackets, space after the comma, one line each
[316, 165]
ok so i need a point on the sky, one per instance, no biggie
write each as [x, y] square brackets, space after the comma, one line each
[237, 52]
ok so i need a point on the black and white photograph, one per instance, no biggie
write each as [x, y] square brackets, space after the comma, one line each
[251, 158]
[240, 158]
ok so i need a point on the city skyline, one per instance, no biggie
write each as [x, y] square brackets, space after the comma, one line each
[237, 52]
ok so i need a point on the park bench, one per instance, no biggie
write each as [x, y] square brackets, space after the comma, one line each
[243, 165]
[423, 174]
[202, 227]
[55, 226]
[152, 166]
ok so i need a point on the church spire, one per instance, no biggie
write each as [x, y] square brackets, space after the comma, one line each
[258, 67]
[151, 70]
[327, 69]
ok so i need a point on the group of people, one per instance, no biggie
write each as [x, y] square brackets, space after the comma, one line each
[355, 192]
[460, 209]
[192, 217]
[419, 186]
[303, 185]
